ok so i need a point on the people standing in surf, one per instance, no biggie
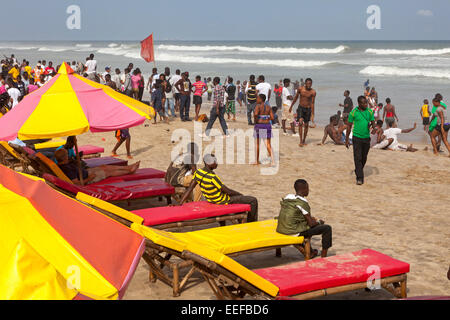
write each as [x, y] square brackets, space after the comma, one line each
[389, 113]
[305, 110]
[250, 91]
[263, 129]
[218, 108]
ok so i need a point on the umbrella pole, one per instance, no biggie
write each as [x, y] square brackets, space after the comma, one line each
[79, 164]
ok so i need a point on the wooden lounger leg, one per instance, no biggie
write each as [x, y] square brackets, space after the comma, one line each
[307, 248]
[278, 252]
[403, 292]
[176, 280]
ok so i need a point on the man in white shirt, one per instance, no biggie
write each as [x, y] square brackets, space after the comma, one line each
[14, 94]
[117, 78]
[392, 133]
[91, 67]
[174, 79]
[286, 99]
[264, 88]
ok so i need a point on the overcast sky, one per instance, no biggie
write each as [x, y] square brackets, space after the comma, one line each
[226, 20]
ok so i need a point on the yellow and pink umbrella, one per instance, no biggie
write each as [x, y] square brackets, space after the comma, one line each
[71, 105]
[53, 247]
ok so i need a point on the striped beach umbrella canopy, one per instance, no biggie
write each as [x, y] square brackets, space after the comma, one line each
[71, 105]
[53, 247]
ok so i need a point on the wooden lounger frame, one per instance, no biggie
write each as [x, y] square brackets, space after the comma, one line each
[158, 257]
[226, 285]
[13, 161]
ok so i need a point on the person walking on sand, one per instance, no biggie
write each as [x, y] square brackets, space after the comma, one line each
[305, 110]
[442, 126]
[348, 104]
[218, 108]
[263, 129]
[122, 136]
[361, 120]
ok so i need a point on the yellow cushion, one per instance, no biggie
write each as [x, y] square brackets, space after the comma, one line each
[54, 143]
[175, 242]
[53, 167]
[110, 208]
[241, 237]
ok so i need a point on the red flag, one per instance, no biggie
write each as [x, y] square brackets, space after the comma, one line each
[147, 52]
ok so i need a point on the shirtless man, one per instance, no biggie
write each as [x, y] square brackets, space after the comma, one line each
[330, 130]
[305, 111]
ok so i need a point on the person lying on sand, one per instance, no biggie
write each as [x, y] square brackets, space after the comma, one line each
[330, 131]
[215, 191]
[90, 175]
[378, 139]
[392, 133]
[295, 218]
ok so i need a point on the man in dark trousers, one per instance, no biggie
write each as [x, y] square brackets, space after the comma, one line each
[215, 191]
[361, 119]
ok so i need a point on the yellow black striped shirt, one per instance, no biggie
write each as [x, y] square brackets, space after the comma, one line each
[211, 186]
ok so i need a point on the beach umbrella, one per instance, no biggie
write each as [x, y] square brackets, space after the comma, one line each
[70, 105]
[53, 247]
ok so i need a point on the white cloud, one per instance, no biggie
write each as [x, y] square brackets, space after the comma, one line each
[425, 13]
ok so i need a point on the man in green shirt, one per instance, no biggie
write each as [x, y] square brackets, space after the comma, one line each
[295, 218]
[361, 119]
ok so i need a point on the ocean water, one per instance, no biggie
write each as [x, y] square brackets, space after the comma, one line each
[406, 71]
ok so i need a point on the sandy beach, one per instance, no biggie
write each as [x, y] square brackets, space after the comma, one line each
[402, 210]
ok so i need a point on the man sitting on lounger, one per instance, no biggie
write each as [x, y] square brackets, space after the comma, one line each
[91, 175]
[295, 218]
[215, 191]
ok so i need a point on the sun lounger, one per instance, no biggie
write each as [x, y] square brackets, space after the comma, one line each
[303, 280]
[146, 173]
[90, 151]
[192, 214]
[105, 161]
[12, 159]
[53, 143]
[116, 192]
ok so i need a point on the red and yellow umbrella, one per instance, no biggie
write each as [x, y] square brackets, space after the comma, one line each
[52, 247]
[70, 105]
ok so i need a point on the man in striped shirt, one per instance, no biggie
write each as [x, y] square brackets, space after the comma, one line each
[216, 192]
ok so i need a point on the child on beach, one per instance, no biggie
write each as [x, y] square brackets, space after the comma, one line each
[295, 218]
[263, 129]
[231, 104]
[425, 115]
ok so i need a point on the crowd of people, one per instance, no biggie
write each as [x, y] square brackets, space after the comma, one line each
[170, 94]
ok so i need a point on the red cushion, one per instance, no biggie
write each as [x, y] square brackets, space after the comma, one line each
[97, 162]
[106, 193]
[89, 149]
[189, 211]
[143, 188]
[147, 173]
[331, 272]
